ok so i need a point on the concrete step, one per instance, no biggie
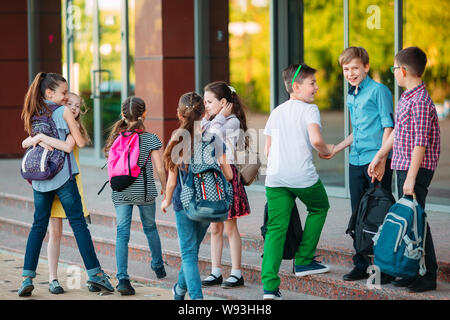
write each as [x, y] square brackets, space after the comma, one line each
[329, 285]
[140, 273]
[251, 243]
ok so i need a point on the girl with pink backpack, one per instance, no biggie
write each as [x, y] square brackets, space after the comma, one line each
[132, 152]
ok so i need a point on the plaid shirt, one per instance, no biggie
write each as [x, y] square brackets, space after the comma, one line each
[416, 124]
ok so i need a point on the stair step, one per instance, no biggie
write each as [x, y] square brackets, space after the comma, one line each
[327, 285]
[251, 243]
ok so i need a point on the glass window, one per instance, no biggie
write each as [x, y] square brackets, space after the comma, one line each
[426, 25]
[323, 43]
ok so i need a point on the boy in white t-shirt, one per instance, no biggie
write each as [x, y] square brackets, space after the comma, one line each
[292, 130]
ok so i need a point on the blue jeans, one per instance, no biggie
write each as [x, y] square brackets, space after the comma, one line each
[124, 214]
[190, 235]
[71, 201]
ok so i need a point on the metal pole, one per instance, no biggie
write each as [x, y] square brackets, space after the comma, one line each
[201, 43]
[124, 54]
[346, 111]
[95, 84]
[273, 55]
[398, 45]
[31, 40]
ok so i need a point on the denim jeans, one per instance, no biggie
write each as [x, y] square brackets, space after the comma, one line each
[71, 201]
[190, 236]
[124, 214]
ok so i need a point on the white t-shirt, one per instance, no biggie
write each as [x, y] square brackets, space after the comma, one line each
[290, 156]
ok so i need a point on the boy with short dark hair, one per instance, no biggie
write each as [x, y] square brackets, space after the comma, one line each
[292, 130]
[416, 149]
[371, 111]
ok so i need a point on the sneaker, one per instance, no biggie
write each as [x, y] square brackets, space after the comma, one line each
[54, 287]
[177, 296]
[160, 272]
[26, 288]
[125, 288]
[313, 268]
[422, 284]
[233, 284]
[213, 282]
[272, 295]
[356, 274]
[403, 282]
[92, 288]
[101, 282]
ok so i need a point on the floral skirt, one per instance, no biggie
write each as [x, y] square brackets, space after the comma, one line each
[240, 205]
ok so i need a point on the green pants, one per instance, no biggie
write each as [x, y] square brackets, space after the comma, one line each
[280, 202]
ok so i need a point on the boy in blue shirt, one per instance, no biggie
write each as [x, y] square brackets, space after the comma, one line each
[371, 111]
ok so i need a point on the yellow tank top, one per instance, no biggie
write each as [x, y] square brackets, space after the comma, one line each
[57, 208]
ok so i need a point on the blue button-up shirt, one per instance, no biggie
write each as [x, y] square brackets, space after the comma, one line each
[371, 110]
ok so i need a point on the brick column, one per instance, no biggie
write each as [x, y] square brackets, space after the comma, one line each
[14, 63]
[164, 57]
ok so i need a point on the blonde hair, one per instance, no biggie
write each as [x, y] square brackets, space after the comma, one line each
[351, 53]
[83, 111]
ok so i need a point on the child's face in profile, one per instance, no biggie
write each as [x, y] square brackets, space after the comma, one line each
[212, 104]
[307, 89]
[60, 95]
[398, 74]
[73, 104]
[355, 71]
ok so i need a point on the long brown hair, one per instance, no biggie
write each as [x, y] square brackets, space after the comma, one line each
[221, 90]
[132, 110]
[34, 99]
[190, 109]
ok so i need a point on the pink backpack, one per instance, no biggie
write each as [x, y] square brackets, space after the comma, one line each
[123, 168]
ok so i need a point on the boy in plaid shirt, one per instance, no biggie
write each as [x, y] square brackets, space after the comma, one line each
[416, 148]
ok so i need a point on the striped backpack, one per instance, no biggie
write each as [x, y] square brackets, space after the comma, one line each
[206, 195]
[39, 163]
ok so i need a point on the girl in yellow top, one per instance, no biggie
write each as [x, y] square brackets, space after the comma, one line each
[57, 213]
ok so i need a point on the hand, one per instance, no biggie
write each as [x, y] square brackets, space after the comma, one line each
[46, 146]
[332, 150]
[408, 186]
[376, 168]
[164, 205]
[227, 110]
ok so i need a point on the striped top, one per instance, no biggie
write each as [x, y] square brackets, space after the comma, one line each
[135, 194]
[416, 124]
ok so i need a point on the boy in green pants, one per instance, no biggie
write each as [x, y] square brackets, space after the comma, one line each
[292, 130]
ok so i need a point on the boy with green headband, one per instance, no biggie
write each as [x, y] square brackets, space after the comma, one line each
[292, 130]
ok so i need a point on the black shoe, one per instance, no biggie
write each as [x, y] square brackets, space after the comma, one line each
[403, 282]
[125, 288]
[385, 278]
[160, 272]
[356, 274]
[229, 285]
[422, 284]
[93, 288]
[213, 282]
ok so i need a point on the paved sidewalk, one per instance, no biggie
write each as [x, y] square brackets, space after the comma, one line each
[73, 282]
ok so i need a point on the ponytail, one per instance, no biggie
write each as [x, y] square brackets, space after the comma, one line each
[34, 99]
[191, 109]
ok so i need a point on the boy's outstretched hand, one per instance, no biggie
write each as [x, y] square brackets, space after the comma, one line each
[333, 151]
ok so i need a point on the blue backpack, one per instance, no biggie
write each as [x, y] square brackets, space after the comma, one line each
[399, 245]
[206, 195]
[39, 163]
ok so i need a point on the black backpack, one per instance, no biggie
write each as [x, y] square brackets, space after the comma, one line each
[365, 221]
[293, 235]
